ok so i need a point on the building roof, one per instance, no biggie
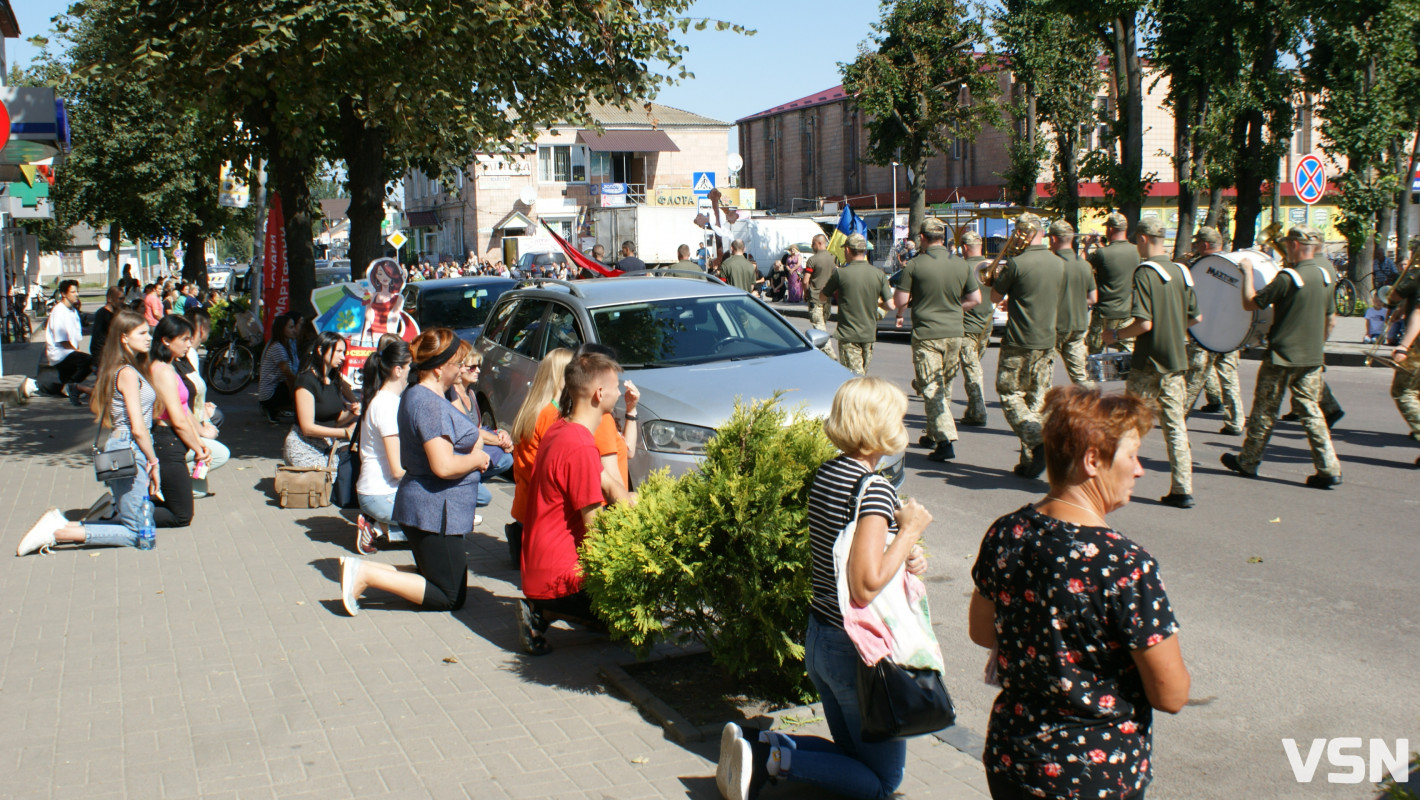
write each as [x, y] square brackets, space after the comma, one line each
[647, 115]
[824, 97]
[9, 26]
[635, 141]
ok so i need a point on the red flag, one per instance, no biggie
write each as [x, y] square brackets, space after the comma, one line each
[276, 277]
[577, 257]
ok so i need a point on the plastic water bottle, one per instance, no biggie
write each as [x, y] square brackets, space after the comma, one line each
[147, 530]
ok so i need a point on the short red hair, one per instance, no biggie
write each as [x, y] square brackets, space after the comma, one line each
[1078, 419]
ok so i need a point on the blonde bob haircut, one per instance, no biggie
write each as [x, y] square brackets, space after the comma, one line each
[866, 418]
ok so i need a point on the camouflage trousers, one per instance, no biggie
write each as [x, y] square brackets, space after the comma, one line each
[1405, 390]
[1018, 377]
[1305, 384]
[973, 347]
[1094, 337]
[1073, 354]
[818, 318]
[1205, 366]
[1326, 402]
[1167, 391]
[856, 356]
[935, 363]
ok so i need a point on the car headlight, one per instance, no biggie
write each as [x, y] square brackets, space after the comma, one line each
[662, 436]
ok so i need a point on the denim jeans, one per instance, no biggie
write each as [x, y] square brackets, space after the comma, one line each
[129, 495]
[502, 461]
[847, 765]
[380, 508]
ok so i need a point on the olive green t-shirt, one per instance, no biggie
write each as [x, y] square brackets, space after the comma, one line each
[1073, 316]
[1297, 337]
[936, 282]
[1169, 305]
[686, 264]
[822, 266]
[1406, 289]
[738, 272]
[859, 286]
[1031, 282]
[1114, 266]
[978, 317]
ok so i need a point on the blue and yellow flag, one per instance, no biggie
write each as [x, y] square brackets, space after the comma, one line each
[848, 224]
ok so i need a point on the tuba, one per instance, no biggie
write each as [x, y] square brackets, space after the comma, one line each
[1020, 239]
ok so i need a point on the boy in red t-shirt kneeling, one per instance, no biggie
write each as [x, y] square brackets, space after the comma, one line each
[566, 494]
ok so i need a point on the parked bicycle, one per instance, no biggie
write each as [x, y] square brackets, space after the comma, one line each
[17, 327]
[232, 356]
[1350, 301]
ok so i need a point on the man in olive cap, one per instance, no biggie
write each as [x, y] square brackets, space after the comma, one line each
[1077, 294]
[1164, 308]
[939, 287]
[1114, 266]
[864, 295]
[1030, 283]
[1303, 308]
[1214, 374]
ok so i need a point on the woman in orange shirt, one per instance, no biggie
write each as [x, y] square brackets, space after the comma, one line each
[538, 412]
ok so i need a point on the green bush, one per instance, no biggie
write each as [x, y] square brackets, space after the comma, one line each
[720, 555]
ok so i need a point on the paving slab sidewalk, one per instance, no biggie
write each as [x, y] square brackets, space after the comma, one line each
[221, 665]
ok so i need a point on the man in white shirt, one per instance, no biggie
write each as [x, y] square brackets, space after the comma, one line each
[63, 333]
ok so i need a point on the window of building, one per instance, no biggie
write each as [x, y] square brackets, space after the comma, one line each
[611, 167]
[850, 139]
[806, 132]
[563, 163]
[1105, 108]
[770, 123]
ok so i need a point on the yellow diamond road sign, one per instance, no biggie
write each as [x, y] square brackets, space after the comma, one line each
[397, 239]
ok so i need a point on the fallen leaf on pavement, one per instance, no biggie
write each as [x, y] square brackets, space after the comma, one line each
[1255, 560]
[95, 555]
[1275, 519]
[300, 602]
[450, 660]
[640, 760]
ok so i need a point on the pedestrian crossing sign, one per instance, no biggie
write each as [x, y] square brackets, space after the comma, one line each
[703, 182]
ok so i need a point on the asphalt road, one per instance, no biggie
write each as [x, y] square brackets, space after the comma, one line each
[1298, 606]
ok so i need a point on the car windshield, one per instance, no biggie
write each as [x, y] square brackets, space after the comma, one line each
[457, 306]
[693, 330]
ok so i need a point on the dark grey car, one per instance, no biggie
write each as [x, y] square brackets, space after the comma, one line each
[691, 345]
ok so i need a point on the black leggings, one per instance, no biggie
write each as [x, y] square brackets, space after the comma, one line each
[175, 509]
[75, 367]
[1004, 789]
[576, 608]
[444, 564]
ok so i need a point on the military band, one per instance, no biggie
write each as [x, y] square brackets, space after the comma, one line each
[1207, 367]
[1114, 266]
[1078, 293]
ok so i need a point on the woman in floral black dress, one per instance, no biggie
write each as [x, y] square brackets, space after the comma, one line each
[1084, 640]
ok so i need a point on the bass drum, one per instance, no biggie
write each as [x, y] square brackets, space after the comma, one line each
[1217, 280]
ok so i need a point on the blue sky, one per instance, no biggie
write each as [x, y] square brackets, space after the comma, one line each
[795, 51]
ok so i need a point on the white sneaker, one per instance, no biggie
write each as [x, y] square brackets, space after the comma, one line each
[477, 520]
[349, 568]
[730, 735]
[739, 768]
[41, 536]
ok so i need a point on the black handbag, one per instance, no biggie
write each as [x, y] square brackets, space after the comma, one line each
[113, 465]
[896, 701]
[343, 492]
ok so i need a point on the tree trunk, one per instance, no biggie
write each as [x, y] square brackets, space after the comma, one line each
[114, 250]
[1248, 140]
[194, 258]
[1183, 121]
[917, 195]
[1029, 198]
[1068, 182]
[1402, 203]
[1129, 82]
[363, 148]
[1215, 210]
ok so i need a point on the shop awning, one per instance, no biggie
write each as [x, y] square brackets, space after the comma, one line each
[421, 219]
[634, 141]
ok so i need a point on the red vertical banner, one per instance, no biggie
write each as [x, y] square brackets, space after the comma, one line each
[276, 276]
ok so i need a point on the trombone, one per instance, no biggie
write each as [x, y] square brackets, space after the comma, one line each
[1020, 239]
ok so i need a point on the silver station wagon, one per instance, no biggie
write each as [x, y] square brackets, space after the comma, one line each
[690, 343]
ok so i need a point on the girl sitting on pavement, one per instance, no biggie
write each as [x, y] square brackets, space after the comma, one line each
[386, 371]
[538, 412]
[207, 415]
[175, 431]
[122, 400]
[438, 448]
[325, 407]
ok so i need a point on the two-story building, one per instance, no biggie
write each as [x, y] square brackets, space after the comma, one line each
[498, 202]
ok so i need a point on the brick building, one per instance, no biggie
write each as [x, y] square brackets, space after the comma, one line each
[499, 200]
[801, 154]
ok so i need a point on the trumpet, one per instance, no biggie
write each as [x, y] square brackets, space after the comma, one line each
[1016, 245]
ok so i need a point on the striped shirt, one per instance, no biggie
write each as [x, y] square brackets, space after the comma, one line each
[830, 505]
[276, 355]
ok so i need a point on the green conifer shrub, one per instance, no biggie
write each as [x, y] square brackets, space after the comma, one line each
[720, 555]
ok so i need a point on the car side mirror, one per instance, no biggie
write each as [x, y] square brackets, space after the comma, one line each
[818, 339]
